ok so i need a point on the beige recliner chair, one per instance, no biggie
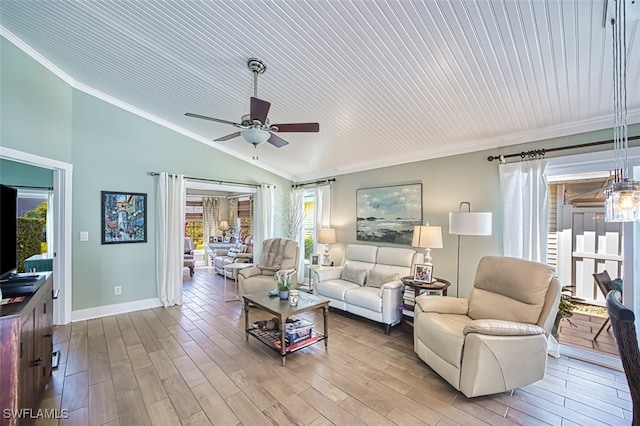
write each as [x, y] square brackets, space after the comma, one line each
[496, 340]
[259, 278]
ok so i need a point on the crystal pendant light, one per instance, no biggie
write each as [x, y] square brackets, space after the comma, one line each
[623, 196]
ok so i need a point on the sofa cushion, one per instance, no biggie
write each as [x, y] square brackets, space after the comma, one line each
[376, 279]
[335, 289]
[361, 253]
[395, 256]
[365, 297]
[353, 275]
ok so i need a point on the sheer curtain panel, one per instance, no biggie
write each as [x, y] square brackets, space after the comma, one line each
[170, 211]
[265, 209]
[210, 217]
[525, 209]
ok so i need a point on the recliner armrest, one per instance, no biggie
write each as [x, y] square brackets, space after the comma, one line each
[251, 271]
[328, 273]
[443, 304]
[495, 327]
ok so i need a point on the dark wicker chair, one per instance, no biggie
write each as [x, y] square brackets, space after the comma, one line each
[604, 284]
[622, 320]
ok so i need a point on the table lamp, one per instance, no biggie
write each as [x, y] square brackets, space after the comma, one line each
[326, 236]
[427, 237]
[224, 227]
[467, 223]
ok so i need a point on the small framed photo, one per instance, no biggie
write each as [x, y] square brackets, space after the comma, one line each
[123, 217]
[315, 259]
[423, 273]
[226, 239]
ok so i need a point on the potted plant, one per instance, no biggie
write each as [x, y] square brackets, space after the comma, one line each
[283, 282]
[565, 308]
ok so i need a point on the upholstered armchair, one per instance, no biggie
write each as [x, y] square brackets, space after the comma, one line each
[189, 260]
[496, 340]
[256, 279]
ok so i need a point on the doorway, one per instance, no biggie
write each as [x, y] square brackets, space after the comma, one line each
[61, 226]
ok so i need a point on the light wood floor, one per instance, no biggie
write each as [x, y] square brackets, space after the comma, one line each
[191, 365]
[581, 331]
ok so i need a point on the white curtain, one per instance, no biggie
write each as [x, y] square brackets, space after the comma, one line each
[170, 208]
[323, 210]
[525, 209]
[210, 216]
[264, 214]
[297, 209]
[525, 203]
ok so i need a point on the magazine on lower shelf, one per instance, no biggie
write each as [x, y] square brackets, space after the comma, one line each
[314, 338]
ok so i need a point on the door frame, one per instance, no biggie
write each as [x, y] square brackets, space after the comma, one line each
[62, 190]
[593, 162]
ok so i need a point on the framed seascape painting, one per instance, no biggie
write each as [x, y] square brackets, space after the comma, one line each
[388, 214]
[124, 217]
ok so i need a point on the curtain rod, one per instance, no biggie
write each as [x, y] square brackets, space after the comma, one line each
[218, 181]
[48, 188]
[317, 183]
[542, 152]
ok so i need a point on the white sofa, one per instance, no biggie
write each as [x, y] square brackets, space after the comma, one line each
[376, 294]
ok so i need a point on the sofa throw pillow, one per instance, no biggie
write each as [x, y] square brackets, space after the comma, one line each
[376, 279]
[353, 275]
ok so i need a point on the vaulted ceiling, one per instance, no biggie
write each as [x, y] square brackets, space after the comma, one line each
[389, 81]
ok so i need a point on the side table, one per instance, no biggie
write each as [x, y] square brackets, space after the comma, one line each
[438, 286]
[234, 267]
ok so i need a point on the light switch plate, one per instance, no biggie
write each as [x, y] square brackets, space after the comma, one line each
[84, 236]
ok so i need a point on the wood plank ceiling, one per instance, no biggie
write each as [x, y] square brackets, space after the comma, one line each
[389, 81]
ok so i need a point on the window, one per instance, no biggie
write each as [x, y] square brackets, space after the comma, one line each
[193, 221]
[309, 223]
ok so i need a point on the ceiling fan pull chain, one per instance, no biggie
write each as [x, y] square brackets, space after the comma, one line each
[255, 152]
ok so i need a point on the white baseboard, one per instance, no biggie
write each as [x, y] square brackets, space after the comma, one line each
[119, 308]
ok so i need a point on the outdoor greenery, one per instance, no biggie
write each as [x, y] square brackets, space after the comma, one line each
[29, 239]
[568, 303]
[308, 247]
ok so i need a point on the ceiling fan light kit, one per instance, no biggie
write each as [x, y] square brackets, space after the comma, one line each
[256, 128]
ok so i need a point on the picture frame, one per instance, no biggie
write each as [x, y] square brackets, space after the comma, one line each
[315, 259]
[226, 239]
[212, 240]
[388, 214]
[123, 217]
[423, 273]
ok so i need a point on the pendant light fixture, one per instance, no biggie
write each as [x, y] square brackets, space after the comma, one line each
[622, 202]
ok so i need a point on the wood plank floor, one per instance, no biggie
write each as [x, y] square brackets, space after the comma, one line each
[191, 365]
[581, 331]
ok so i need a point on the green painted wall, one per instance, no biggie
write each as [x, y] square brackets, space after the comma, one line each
[447, 182]
[110, 149]
[13, 173]
[35, 106]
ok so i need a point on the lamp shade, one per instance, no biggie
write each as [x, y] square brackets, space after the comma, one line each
[223, 225]
[327, 236]
[427, 236]
[470, 223]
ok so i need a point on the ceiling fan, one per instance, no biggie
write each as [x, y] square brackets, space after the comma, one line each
[256, 128]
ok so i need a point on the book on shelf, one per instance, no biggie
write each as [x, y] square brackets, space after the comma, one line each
[314, 338]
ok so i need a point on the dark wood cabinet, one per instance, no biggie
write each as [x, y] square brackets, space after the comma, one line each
[26, 339]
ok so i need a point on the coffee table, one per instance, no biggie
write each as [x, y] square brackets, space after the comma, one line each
[283, 310]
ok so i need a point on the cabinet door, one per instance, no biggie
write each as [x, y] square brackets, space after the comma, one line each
[26, 353]
[42, 340]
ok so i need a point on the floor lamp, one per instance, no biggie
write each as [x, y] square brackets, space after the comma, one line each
[467, 223]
